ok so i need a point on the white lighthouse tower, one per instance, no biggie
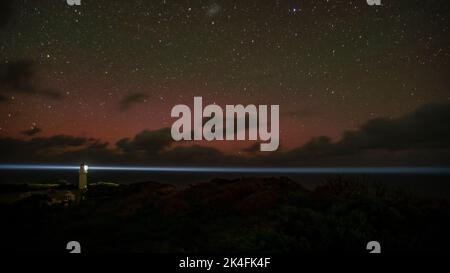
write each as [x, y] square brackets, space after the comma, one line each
[82, 183]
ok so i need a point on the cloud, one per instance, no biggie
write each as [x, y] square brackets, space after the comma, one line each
[252, 149]
[148, 142]
[58, 148]
[196, 154]
[3, 98]
[419, 138]
[147, 147]
[20, 77]
[422, 131]
[317, 145]
[132, 99]
[32, 131]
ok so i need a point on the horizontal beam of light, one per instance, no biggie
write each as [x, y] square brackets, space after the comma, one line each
[238, 170]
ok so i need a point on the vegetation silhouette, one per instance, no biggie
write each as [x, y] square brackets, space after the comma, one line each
[247, 215]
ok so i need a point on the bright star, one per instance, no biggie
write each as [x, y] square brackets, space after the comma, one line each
[295, 10]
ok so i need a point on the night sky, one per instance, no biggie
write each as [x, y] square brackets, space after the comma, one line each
[110, 69]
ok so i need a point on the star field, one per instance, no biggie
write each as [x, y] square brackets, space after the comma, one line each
[120, 66]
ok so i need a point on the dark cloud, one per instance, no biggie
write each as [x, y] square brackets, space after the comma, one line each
[152, 147]
[32, 131]
[196, 154]
[58, 148]
[423, 130]
[254, 148]
[421, 137]
[3, 98]
[316, 146]
[20, 77]
[132, 99]
[17, 75]
[158, 147]
[146, 142]
[58, 141]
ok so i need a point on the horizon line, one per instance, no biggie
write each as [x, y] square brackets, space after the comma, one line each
[237, 170]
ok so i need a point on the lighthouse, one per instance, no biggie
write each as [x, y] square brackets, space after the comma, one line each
[82, 183]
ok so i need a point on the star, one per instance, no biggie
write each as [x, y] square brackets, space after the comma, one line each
[294, 10]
